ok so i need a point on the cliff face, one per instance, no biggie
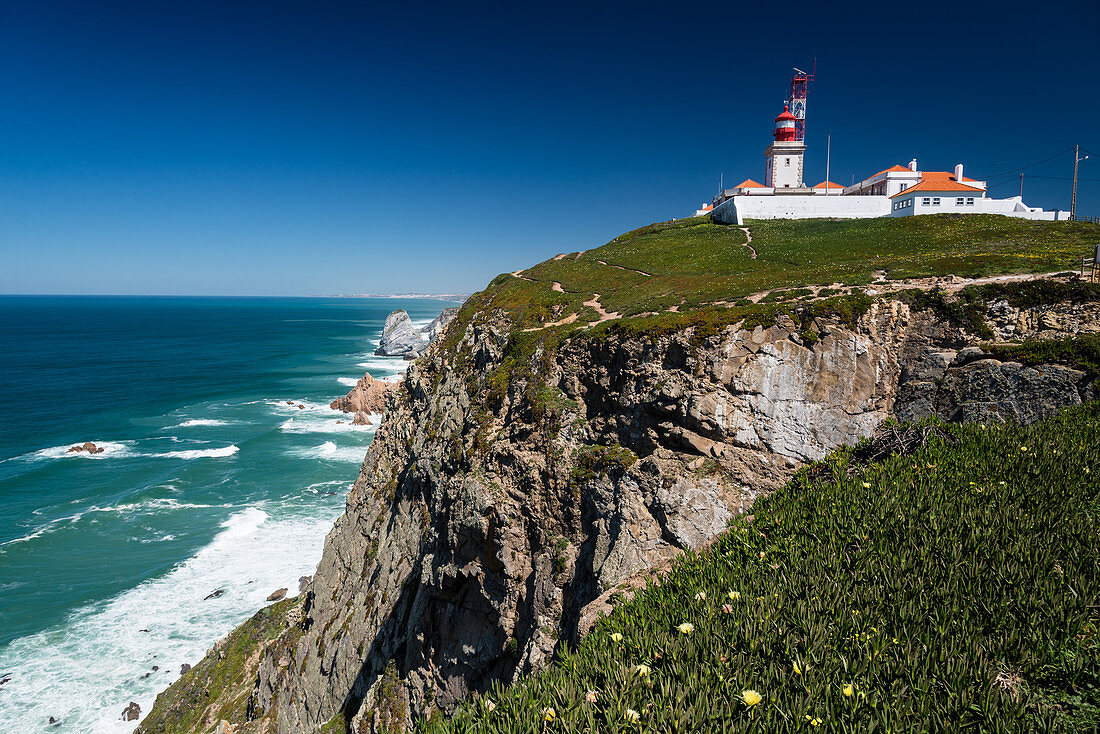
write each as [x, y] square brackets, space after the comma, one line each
[501, 505]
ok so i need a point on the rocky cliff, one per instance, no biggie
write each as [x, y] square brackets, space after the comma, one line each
[505, 501]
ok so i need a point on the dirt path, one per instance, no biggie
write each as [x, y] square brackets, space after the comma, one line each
[516, 273]
[748, 241]
[629, 270]
[604, 315]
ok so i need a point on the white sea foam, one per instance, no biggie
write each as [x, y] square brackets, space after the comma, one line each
[199, 453]
[111, 449]
[387, 365]
[329, 451]
[329, 424]
[146, 506]
[348, 381]
[87, 669]
[202, 422]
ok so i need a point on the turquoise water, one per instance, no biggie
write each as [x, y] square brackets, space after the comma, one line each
[212, 478]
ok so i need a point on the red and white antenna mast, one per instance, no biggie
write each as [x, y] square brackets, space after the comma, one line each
[797, 102]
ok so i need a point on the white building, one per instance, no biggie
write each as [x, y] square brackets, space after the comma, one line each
[898, 191]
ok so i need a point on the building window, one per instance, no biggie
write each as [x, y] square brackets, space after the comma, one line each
[970, 201]
[935, 201]
[903, 187]
[925, 201]
[786, 161]
[959, 201]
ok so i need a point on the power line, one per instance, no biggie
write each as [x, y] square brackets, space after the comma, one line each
[1016, 171]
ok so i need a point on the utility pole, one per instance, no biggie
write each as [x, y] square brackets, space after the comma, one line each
[828, 149]
[1021, 184]
[1073, 200]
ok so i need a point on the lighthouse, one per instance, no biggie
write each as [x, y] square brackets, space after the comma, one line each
[784, 156]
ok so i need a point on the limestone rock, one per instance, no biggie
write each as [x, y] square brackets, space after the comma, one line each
[277, 595]
[439, 323]
[400, 337]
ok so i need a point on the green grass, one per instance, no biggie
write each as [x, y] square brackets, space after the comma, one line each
[1080, 352]
[695, 263]
[951, 589]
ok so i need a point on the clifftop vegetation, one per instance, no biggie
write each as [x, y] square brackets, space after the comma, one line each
[951, 586]
[668, 271]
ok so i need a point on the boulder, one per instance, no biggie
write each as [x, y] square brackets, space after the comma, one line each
[368, 396]
[184, 668]
[399, 337]
[214, 594]
[131, 712]
[361, 419]
[303, 583]
[88, 446]
[277, 595]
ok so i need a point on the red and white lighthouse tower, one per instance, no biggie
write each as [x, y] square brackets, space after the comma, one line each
[784, 155]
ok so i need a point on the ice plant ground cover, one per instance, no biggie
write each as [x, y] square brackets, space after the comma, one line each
[951, 589]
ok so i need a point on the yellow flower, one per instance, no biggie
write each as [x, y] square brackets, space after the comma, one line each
[797, 668]
[701, 596]
[761, 554]
[616, 637]
[549, 713]
[849, 690]
[642, 671]
[632, 716]
[751, 697]
[590, 697]
[734, 595]
[686, 628]
[866, 485]
[489, 705]
[815, 722]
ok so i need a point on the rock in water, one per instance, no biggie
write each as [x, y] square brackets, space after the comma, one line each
[184, 668]
[131, 712]
[214, 594]
[400, 337]
[277, 595]
[88, 446]
[439, 323]
[361, 419]
[368, 396]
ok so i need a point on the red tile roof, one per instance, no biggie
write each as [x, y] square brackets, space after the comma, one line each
[831, 185]
[935, 184]
[748, 183]
[891, 169]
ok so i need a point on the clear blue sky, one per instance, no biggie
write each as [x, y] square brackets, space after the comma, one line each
[325, 147]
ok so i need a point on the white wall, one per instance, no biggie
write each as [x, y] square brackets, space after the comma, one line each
[801, 206]
[1010, 207]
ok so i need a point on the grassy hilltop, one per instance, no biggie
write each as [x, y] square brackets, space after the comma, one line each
[695, 265]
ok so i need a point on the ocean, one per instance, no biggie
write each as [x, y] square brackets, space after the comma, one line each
[223, 468]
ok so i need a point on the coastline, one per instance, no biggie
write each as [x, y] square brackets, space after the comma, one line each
[219, 520]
